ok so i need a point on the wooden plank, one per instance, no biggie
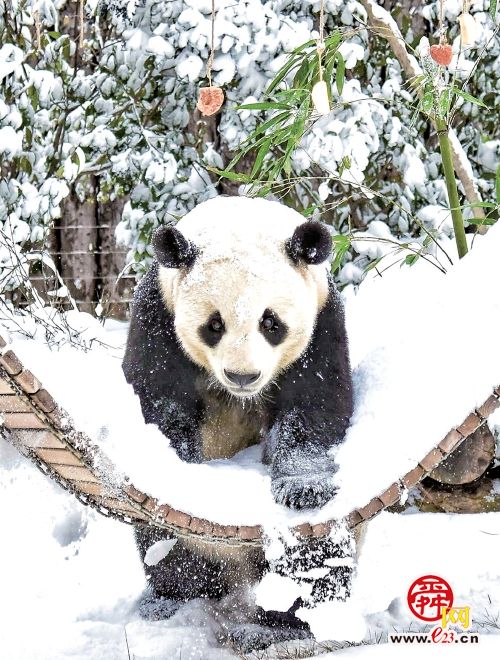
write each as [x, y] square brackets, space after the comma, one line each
[5, 388]
[11, 363]
[471, 423]
[120, 505]
[45, 401]
[58, 457]
[38, 439]
[13, 403]
[75, 473]
[22, 420]
[28, 382]
[489, 406]
[89, 487]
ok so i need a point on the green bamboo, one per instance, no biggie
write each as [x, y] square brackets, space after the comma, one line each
[451, 185]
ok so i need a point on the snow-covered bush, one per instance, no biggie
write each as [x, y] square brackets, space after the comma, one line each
[117, 102]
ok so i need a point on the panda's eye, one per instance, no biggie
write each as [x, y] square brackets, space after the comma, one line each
[212, 331]
[272, 327]
[216, 325]
[267, 322]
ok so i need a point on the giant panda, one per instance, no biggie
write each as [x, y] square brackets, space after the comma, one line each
[237, 337]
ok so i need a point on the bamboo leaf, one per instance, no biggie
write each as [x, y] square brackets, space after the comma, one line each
[328, 77]
[264, 149]
[484, 205]
[333, 40]
[341, 245]
[469, 97]
[373, 264]
[497, 186]
[302, 47]
[444, 102]
[267, 124]
[481, 221]
[340, 72]
[288, 66]
[410, 259]
[301, 74]
[263, 105]
[427, 102]
[309, 210]
[493, 9]
[232, 176]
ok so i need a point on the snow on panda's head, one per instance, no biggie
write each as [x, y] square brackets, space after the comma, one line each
[244, 279]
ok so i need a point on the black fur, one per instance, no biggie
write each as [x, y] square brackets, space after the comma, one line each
[310, 243]
[172, 249]
[161, 374]
[308, 411]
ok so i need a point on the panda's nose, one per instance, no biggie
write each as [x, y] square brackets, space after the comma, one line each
[241, 379]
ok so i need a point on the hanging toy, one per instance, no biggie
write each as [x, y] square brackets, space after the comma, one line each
[468, 27]
[319, 92]
[442, 52]
[319, 95]
[211, 98]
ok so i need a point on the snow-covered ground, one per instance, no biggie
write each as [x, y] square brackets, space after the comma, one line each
[76, 577]
[70, 580]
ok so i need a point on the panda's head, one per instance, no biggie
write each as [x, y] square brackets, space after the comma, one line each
[245, 280]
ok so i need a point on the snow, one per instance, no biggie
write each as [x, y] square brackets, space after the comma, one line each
[276, 592]
[158, 551]
[11, 141]
[74, 578]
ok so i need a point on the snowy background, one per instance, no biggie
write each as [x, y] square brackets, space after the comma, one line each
[98, 130]
[131, 150]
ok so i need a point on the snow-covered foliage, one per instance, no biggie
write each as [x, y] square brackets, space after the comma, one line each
[120, 106]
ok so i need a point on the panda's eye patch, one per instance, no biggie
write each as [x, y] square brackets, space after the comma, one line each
[272, 327]
[211, 333]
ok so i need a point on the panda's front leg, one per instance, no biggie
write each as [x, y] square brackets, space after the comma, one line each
[309, 414]
[301, 469]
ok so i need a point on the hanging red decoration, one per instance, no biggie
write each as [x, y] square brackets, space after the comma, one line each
[210, 100]
[442, 54]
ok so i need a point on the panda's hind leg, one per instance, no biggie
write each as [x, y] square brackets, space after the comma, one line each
[267, 628]
[183, 574]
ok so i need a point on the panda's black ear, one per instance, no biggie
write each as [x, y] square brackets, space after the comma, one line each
[172, 249]
[311, 243]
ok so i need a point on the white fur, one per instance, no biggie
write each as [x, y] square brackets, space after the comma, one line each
[242, 269]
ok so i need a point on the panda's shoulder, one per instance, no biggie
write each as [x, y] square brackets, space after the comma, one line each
[148, 305]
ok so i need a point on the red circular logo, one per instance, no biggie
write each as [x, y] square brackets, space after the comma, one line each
[428, 595]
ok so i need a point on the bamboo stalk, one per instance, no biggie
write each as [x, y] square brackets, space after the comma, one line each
[451, 186]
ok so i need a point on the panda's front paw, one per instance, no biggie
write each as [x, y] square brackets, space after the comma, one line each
[303, 491]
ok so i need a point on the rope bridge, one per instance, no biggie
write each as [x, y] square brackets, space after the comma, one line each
[43, 432]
